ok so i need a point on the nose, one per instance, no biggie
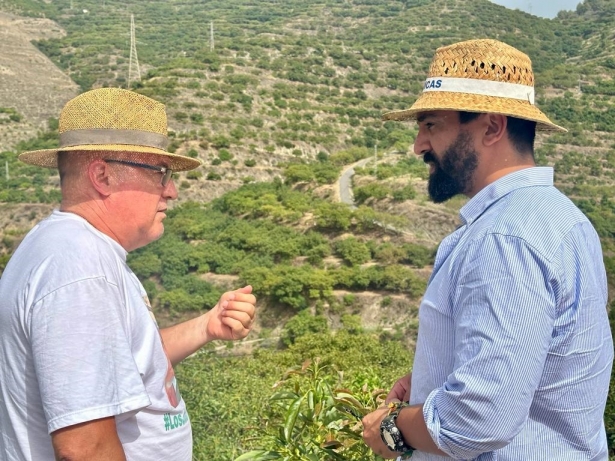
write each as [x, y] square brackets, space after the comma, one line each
[421, 143]
[170, 191]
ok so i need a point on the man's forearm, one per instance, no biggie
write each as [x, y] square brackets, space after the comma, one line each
[414, 430]
[185, 339]
[95, 440]
[230, 319]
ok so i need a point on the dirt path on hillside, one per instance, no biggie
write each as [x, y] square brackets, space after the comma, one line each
[29, 82]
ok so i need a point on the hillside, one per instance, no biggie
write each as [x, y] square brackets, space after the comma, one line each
[288, 95]
[287, 86]
[32, 88]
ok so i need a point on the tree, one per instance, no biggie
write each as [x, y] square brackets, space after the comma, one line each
[313, 417]
[302, 324]
[352, 251]
[334, 216]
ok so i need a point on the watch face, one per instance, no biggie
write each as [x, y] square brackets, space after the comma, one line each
[390, 433]
[391, 436]
[388, 440]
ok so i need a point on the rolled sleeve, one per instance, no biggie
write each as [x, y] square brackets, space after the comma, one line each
[503, 314]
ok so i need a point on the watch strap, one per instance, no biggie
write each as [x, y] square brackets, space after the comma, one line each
[390, 433]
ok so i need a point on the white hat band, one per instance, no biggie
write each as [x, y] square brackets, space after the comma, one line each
[480, 87]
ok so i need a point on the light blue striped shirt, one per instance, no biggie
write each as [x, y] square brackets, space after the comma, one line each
[514, 350]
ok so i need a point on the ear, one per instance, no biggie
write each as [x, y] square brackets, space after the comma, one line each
[98, 173]
[494, 128]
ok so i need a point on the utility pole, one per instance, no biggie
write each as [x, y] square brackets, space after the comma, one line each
[211, 36]
[376, 158]
[6, 167]
[581, 81]
[134, 60]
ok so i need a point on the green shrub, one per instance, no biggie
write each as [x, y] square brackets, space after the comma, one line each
[406, 193]
[220, 142]
[352, 251]
[349, 299]
[334, 216]
[197, 118]
[180, 116]
[417, 255]
[375, 190]
[298, 172]
[194, 174]
[352, 323]
[224, 155]
[302, 324]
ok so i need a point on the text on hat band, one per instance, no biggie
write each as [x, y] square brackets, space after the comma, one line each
[480, 87]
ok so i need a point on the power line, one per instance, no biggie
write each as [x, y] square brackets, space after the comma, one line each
[134, 60]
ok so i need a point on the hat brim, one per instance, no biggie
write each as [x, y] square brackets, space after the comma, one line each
[464, 102]
[49, 157]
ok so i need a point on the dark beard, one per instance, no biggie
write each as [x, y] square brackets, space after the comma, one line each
[454, 175]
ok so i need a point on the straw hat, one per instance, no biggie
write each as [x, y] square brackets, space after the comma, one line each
[485, 76]
[112, 119]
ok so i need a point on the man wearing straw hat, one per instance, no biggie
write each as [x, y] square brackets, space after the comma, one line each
[85, 373]
[514, 352]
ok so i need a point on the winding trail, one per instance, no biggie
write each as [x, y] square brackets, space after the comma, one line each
[343, 190]
[344, 183]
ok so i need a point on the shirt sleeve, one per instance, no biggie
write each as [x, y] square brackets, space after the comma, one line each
[504, 312]
[82, 355]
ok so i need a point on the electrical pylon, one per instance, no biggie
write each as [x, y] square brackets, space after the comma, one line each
[134, 73]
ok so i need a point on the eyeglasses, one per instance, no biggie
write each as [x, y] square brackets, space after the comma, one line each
[166, 173]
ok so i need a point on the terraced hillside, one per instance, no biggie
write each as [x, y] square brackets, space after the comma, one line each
[287, 95]
[294, 90]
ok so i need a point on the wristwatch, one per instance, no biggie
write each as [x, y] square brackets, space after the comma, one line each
[391, 435]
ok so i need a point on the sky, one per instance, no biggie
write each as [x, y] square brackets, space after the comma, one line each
[544, 8]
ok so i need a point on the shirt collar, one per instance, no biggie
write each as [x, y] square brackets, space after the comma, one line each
[528, 177]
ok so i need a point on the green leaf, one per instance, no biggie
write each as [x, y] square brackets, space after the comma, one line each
[259, 455]
[291, 418]
[283, 395]
[310, 397]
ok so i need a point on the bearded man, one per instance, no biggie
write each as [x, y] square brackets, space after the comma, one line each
[514, 350]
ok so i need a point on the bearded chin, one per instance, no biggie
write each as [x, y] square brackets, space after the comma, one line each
[454, 174]
[441, 187]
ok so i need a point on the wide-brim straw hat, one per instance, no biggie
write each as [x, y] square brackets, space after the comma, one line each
[484, 76]
[112, 120]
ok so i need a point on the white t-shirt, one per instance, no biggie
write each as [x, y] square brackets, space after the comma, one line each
[79, 342]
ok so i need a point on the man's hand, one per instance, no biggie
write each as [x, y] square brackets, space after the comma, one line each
[371, 433]
[400, 390]
[233, 316]
[230, 319]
